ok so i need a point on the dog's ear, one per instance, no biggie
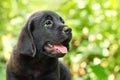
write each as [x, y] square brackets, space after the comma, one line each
[30, 27]
[26, 43]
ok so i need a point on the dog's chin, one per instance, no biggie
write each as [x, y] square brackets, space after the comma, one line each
[59, 55]
[55, 49]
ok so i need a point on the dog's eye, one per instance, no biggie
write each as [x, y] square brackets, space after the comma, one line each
[48, 23]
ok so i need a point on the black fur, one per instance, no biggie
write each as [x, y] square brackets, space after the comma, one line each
[31, 59]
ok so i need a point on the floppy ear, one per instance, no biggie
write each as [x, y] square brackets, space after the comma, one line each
[26, 43]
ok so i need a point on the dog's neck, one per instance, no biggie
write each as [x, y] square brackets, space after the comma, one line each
[37, 59]
[43, 64]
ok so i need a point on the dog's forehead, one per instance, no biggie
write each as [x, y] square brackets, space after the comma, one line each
[45, 13]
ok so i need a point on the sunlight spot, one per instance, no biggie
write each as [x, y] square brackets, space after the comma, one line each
[91, 46]
[91, 37]
[99, 18]
[16, 21]
[99, 36]
[110, 13]
[96, 61]
[111, 77]
[96, 6]
[117, 68]
[113, 48]
[83, 64]
[72, 12]
[81, 3]
[83, 14]
[105, 44]
[85, 31]
[6, 45]
[105, 52]
[111, 37]
[76, 58]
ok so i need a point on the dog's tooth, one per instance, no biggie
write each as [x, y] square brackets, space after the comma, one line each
[50, 45]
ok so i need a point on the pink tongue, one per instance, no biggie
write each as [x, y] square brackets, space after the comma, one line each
[61, 48]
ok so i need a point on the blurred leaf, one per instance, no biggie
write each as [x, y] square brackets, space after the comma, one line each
[99, 71]
[2, 71]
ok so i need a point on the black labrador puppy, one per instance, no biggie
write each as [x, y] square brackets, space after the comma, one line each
[43, 39]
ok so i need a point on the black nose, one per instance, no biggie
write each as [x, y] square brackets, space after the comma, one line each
[67, 30]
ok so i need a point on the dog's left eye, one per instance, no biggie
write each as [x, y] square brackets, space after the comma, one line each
[48, 23]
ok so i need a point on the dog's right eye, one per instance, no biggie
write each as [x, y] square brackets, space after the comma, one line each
[48, 23]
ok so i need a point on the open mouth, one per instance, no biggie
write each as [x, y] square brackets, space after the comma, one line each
[55, 48]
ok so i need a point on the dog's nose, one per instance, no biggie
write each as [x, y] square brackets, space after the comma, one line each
[67, 30]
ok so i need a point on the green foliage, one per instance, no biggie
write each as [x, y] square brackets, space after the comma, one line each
[2, 71]
[95, 48]
[99, 71]
[96, 39]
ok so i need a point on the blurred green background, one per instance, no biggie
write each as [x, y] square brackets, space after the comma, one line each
[95, 47]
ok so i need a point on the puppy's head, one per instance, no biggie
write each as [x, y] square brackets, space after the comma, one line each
[46, 34]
